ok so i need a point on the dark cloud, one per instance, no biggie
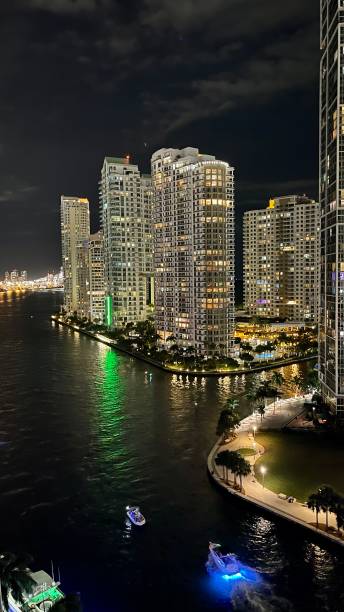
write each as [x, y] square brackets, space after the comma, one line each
[83, 78]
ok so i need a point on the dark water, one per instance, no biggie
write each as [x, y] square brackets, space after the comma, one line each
[84, 431]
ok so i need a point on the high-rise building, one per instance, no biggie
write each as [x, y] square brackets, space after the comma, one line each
[193, 249]
[75, 232]
[126, 218]
[331, 351]
[96, 280]
[23, 276]
[281, 259]
[14, 276]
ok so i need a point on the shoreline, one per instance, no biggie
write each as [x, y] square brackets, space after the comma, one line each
[261, 496]
[171, 370]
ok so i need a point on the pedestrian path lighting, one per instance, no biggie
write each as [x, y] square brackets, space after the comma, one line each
[263, 472]
[254, 431]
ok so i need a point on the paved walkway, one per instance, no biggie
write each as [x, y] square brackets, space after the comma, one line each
[254, 490]
[277, 416]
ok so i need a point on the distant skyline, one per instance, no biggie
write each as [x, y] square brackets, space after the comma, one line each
[88, 78]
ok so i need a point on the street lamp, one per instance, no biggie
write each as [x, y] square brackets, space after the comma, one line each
[254, 431]
[263, 472]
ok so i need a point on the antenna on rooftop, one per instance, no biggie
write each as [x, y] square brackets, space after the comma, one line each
[52, 571]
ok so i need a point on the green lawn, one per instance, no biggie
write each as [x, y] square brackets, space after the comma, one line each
[298, 463]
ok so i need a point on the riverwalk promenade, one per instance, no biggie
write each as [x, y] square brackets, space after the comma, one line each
[253, 490]
[175, 369]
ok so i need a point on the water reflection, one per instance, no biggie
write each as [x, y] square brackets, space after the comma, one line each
[90, 425]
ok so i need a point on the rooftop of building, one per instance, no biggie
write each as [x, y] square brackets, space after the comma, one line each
[281, 201]
[74, 199]
[118, 160]
[186, 153]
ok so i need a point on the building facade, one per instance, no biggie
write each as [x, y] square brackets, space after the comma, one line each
[193, 249]
[75, 232]
[331, 337]
[281, 259]
[126, 219]
[96, 277]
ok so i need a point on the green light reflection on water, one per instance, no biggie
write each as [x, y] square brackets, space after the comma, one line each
[110, 414]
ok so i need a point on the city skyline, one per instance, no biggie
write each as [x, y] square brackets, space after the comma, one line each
[172, 305]
[64, 148]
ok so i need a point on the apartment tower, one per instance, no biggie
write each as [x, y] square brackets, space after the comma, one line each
[193, 249]
[75, 232]
[281, 259]
[331, 337]
[96, 277]
[126, 219]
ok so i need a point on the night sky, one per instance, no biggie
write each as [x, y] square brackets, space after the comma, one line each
[87, 78]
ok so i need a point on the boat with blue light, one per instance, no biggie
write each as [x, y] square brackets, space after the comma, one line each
[135, 516]
[228, 565]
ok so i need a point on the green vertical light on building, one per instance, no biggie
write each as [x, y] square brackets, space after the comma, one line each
[108, 310]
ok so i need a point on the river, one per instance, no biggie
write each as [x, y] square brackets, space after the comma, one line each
[84, 431]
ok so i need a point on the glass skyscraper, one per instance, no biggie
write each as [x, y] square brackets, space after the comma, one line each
[332, 205]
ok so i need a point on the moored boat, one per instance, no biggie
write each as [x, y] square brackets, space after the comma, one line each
[44, 594]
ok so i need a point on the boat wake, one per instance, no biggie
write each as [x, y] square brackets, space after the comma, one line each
[248, 598]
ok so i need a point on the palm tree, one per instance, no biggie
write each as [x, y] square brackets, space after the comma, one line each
[312, 381]
[313, 503]
[246, 347]
[228, 421]
[251, 395]
[326, 499]
[299, 383]
[263, 391]
[337, 507]
[15, 577]
[246, 358]
[277, 379]
[242, 468]
[232, 404]
[222, 459]
[232, 464]
[261, 411]
[190, 350]
[274, 394]
[339, 512]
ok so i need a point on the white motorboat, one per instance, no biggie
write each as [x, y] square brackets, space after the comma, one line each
[228, 566]
[225, 564]
[135, 516]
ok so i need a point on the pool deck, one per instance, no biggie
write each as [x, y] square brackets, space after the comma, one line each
[254, 491]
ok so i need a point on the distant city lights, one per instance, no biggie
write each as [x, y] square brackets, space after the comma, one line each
[18, 281]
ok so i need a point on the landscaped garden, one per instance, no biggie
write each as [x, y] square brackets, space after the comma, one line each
[141, 339]
[298, 463]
